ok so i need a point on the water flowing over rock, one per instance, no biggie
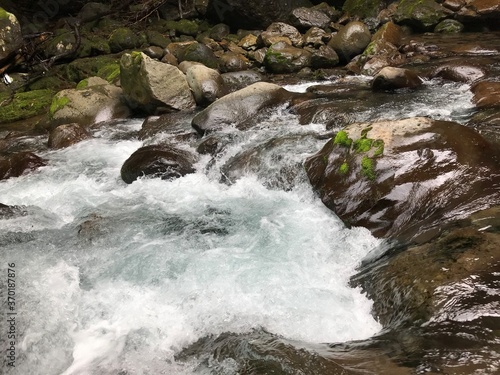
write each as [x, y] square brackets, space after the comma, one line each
[240, 108]
[67, 135]
[367, 173]
[157, 161]
[10, 34]
[150, 84]
[390, 78]
[19, 163]
[351, 40]
[94, 100]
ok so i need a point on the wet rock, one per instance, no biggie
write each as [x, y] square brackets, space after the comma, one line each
[486, 8]
[154, 52]
[8, 212]
[486, 94]
[11, 37]
[240, 108]
[401, 179]
[157, 161]
[207, 84]
[67, 135]
[178, 49]
[219, 32]
[390, 78]
[19, 163]
[248, 42]
[351, 40]
[151, 84]
[233, 62]
[173, 126]
[323, 57]
[235, 81]
[390, 33]
[185, 65]
[123, 38]
[279, 30]
[316, 37]
[449, 26]
[251, 14]
[283, 58]
[422, 14]
[305, 18]
[459, 72]
[94, 100]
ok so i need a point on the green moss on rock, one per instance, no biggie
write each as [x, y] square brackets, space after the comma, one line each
[110, 73]
[379, 147]
[83, 84]
[362, 8]
[368, 167]
[363, 145]
[3, 14]
[342, 139]
[183, 26]
[58, 103]
[24, 105]
[344, 168]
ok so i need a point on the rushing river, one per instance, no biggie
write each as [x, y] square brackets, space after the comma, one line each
[117, 279]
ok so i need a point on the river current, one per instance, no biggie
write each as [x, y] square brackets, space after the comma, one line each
[117, 279]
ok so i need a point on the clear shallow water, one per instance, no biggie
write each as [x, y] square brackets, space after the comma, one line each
[115, 277]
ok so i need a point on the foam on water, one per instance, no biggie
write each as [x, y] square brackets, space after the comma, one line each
[115, 277]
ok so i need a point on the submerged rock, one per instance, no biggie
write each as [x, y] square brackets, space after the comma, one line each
[19, 163]
[157, 161]
[402, 178]
[240, 108]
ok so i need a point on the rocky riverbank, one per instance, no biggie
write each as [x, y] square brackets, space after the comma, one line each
[429, 185]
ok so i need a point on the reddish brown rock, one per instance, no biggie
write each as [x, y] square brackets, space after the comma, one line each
[486, 94]
[19, 163]
[67, 135]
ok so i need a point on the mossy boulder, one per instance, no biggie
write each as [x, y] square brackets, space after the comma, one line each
[95, 100]
[283, 58]
[199, 52]
[449, 26]
[80, 69]
[156, 38]
[183, 27]
[110, 72]
[421, 14]
[11, 37]
[150, 84]
[400, 178]
[363, 8]
[24, 105]
[63, 42]
[122, 39]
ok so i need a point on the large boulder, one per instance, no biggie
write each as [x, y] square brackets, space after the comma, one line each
[123, 38]
[364, 9]
[421, 14]
[151, 84]
[235, 81]
[240, 108]
[11, 37]
[401, 179]
[283, 58]
[251, 14]
[207, 84]
[157, 161]
[94, 100]
[351, 40]
[19, 163]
